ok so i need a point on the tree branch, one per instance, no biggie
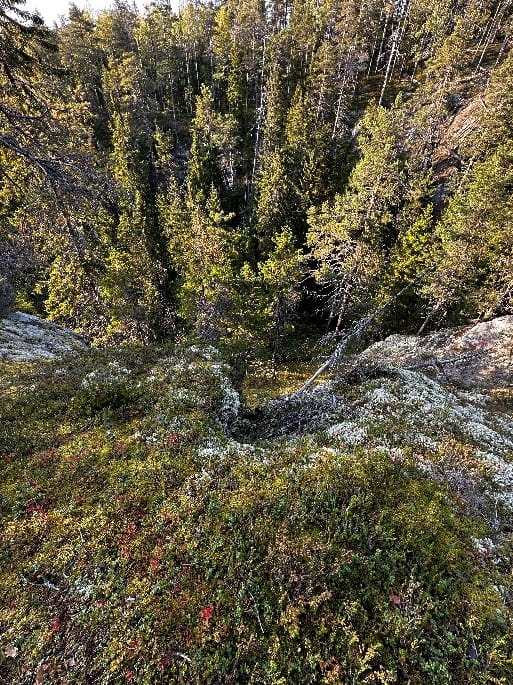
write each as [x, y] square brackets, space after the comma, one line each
[355, 333]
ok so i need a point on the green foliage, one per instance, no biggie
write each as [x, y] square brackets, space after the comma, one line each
[116, 130]
[197, 171]
[410, 260]
[281, 276]
[139, 543]
[351, 238]
[213, 148]
[474, 274]
[199, 240]
[274, 202]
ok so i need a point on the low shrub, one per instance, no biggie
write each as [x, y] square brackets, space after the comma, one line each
[146, 546]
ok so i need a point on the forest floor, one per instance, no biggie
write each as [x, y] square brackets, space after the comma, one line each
[158, 525]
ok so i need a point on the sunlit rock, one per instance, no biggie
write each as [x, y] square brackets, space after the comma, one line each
[24, 337]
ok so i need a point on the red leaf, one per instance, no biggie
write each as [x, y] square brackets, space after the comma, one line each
[206, 613]
[173, 438]
[395, 599]
[56, 624]
[131, 528]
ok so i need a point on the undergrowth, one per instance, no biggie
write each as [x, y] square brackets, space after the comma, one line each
[141, 544]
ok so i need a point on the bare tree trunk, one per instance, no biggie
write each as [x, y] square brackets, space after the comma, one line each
[259, 123]
[396, 42]
[491, 32]
[353, 335]
[380, 49]
[348, 71]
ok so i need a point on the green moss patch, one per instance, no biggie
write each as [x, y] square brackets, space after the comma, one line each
[140, 543]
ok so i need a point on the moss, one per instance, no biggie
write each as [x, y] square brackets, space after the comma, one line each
[140, 543]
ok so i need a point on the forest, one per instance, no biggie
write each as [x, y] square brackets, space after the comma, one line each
[253, 172]
[256, 343]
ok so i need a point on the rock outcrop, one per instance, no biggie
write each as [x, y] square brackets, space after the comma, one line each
[478, 356]
[24, 337]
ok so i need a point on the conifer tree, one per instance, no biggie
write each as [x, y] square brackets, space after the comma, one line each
[199, 241]
[474, 275]
[282, 274]
[255, 126]
[350, 239]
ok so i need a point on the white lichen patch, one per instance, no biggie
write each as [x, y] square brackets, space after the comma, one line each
[197, 397]
[83, 590]
[484, 546]
[419, 411]
[222, 449]
[348, 432]
[111, 374]
[456, 437]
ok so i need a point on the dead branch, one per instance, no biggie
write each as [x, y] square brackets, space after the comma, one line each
[354, 334]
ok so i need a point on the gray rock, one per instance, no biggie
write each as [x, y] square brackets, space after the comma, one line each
[24, 337]
[478, 356]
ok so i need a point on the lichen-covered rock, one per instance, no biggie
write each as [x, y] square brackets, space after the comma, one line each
[24, 337]
[199, 389]
[459, 437]
[476, 356]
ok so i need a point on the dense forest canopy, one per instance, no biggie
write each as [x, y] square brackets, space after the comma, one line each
[243, 166]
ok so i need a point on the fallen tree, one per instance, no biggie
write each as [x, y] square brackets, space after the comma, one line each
[354, 334]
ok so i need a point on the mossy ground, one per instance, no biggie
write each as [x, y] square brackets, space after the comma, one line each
[264, 380]
[141, 544]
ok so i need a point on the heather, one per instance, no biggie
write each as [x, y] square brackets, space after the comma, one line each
[143, 542]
